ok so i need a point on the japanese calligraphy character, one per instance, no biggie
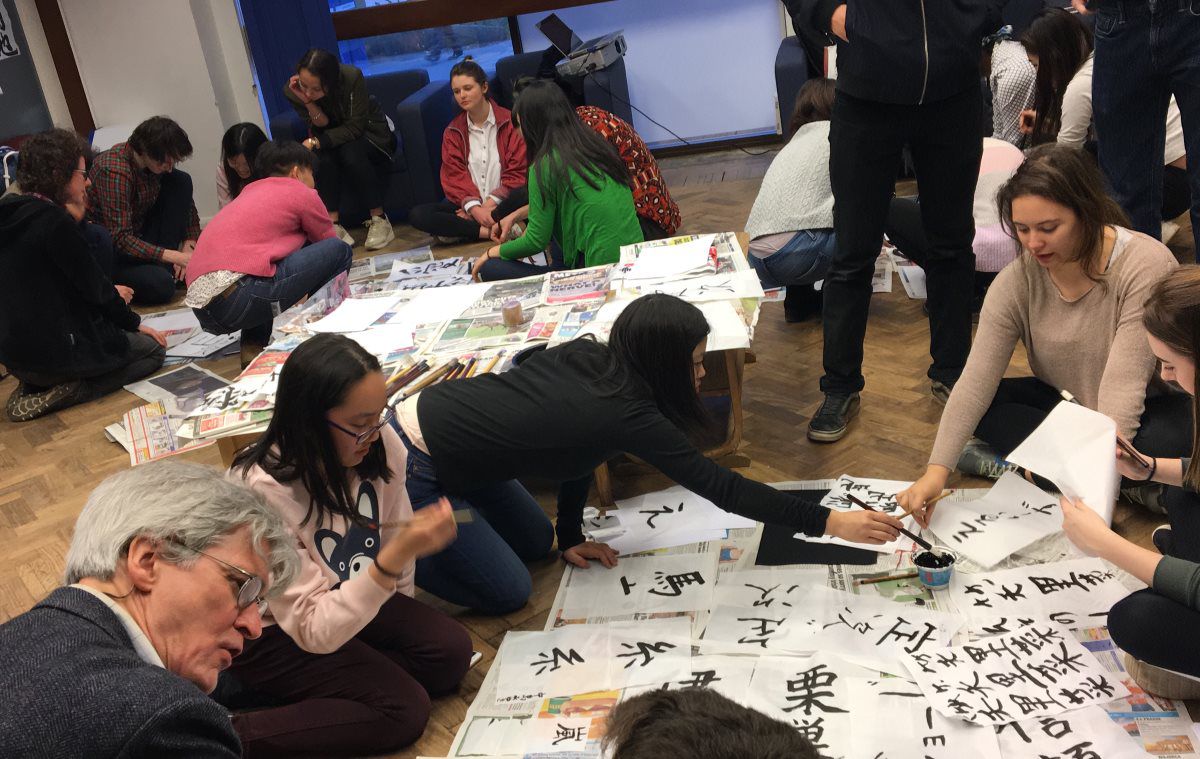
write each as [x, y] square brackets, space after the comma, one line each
[555, 659]
[659, 512]
[912, 636]
[673, 584]
[564, 733]
[764, 632]
[808, 695]
[643, 649]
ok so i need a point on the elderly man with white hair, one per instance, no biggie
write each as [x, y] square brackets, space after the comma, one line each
[165, 579]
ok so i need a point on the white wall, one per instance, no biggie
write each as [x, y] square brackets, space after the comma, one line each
[703, 68]
[39, 50]
[180, 58]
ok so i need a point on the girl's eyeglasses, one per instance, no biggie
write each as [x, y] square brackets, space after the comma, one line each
[389, 413]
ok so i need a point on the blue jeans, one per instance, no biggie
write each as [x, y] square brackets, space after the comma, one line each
[253, 302]
[1146, 50]
[484, 568]
[500, 268]
[803, 260]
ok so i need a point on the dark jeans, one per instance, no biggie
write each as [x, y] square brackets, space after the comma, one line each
[357, 162]
[254, 302]
[499, 268]
[866, 140]
[1157, 630]
[371, 696]
[484, 568]
[1177, 196]
[1146, 50]
[143, 357]
[1022, 403]
[803, 260]
[100, 245]
[166, 225]
[442, 219]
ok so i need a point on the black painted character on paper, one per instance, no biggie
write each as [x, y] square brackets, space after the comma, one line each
[349, 555]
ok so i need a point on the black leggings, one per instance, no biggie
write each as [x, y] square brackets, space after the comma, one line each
[142, 358]
[1157, 630]
[442, 218]
[1022, 403]
[358, 163]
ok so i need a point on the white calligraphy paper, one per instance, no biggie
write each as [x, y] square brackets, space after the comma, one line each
[867, 630]
[1013, 514]
[1088, 733]
[1075, 594]
[912, 729]
[642, 584]
[565, 736]
[1075, 448]
[879, 494]
[737, 284]
[810, 693]
[728, 675]
[768, 588]
[1040, 671]
[585, 658]
[353, 315]
[671, 517]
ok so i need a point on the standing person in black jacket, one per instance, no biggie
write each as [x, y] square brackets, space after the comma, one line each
[908, 75]
[65, 331]
[558, 416]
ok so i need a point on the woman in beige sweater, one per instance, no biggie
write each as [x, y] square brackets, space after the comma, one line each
[1074, 299]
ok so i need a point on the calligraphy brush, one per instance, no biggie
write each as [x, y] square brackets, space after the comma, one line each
[917, 539]
[400, 379]
[492, 364]
[437, 374]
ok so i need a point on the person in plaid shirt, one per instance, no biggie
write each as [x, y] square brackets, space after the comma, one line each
[146, 204]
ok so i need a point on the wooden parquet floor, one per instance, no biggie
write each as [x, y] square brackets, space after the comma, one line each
[48, 467]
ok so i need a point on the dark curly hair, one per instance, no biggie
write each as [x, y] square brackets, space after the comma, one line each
[160, 138]
[48, 160]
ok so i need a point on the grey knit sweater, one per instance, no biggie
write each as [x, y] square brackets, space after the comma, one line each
[795, 193]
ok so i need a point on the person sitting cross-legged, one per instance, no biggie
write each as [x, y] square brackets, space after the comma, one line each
[65, 331]
[272, 246]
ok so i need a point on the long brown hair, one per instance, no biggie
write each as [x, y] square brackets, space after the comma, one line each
[814, 102]
[1172, 315]
[1069, 177]
[1062, 44]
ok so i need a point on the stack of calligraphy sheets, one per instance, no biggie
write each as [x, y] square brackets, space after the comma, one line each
[1013, 662]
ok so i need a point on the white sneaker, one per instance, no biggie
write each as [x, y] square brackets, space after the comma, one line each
[379, 232]
[343, 235]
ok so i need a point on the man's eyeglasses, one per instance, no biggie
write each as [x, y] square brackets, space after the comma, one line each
[389, 413]
[249, 590]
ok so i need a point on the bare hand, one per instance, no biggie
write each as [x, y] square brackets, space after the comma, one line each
[501, 229]
[580, 554]
[1027, 118]
[180, 271]
[913, 499]
[126, 293]
[159, 337]
[482, 216]
[312, 143]
[430, 530]
[873, 527]
[837, 23]
[1129, 468]
[1085, 528]
[297, 90]
[1080, 7]
[461, 214]
[479, 262]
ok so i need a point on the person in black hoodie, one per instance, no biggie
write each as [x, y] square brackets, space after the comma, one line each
[908, 75]
[65, 331]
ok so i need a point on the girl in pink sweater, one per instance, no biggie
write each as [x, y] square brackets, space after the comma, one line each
[346, 650]
[272, 246]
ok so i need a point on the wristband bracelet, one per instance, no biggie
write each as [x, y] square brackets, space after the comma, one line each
[386, 573]
[1153, 469]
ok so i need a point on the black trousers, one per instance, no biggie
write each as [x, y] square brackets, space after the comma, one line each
[142, 358]
[651, 230]
[442, 218]
[1157, 630]
[1022, 403]
[357, 162]
[166, 225]
[865, 141]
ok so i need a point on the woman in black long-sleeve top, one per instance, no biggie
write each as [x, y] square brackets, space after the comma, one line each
[557, 416]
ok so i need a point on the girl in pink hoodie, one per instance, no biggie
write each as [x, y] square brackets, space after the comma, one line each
[346, 651]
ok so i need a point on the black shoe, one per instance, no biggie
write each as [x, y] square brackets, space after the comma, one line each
[829, 424]
[1162, 539]
[26, 404]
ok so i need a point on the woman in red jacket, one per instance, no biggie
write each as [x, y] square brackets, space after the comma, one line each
[483, 164]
